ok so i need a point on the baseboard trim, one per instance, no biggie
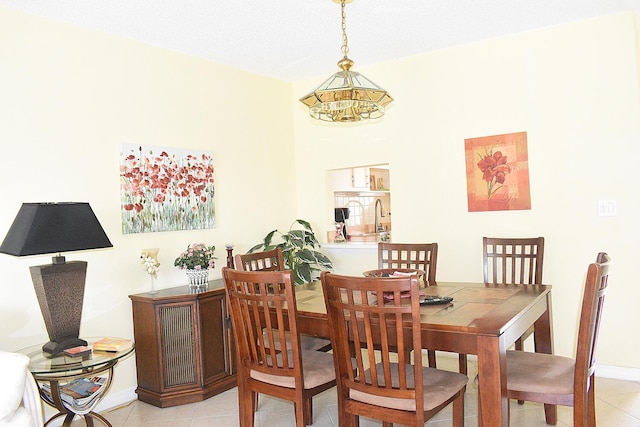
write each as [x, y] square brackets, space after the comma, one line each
[618, 373]
[111, 401]
[115, 400]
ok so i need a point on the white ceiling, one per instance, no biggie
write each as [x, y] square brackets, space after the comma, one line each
[295, 39]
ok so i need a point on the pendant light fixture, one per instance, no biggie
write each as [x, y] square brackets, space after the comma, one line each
[346, 96]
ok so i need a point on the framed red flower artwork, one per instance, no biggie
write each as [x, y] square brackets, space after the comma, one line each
[497, 172]
[166, 189]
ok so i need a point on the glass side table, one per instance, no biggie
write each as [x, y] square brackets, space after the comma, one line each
[51, 372]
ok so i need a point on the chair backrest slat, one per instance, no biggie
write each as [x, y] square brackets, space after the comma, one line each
[417, 256]
[510, 261]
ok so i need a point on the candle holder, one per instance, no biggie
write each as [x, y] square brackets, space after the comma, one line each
[230, 262]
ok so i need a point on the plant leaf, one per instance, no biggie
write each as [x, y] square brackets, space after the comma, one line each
[268, 238]
[256, 247]
[323, 260]
[305, 224]
[307, 255]
[303, 272]
[297, 238]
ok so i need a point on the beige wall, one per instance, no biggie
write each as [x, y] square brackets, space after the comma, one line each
[574, 90]
[70, 97]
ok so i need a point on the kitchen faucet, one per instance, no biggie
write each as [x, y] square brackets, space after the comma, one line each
[378, 227]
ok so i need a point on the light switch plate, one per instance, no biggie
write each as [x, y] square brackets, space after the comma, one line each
[606, 207]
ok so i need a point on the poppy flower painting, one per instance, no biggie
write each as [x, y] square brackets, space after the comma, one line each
[497, 173]
[165, 189]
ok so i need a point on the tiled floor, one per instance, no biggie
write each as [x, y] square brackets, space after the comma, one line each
[618, 405]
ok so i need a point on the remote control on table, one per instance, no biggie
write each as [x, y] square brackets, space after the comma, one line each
[435, 300]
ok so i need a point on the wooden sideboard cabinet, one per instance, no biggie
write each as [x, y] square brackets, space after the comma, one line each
[184, 345]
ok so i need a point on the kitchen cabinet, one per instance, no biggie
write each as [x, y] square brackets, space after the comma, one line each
[351, 179]
[184, 345]
[361, 179]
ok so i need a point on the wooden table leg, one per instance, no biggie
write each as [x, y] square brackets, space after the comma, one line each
[543, 341]
[492, 381]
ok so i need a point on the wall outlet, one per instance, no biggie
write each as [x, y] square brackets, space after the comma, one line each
[606, 208]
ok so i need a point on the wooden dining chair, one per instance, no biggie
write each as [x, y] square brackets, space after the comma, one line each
[418, 256]
[511, 261]
[385, 385]
[557, 380]
[265, 301]
[272, 260]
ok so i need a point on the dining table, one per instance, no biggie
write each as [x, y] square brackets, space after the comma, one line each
[483, 319]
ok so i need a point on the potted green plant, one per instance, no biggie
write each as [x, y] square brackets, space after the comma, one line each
[300, 250]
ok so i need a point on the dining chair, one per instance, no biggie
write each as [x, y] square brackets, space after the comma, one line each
[558, 380]
[272, 260]
[265, 301]
[511, 261]
[418, 256]
[385, 385]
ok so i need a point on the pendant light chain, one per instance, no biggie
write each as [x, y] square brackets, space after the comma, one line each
[345, 42]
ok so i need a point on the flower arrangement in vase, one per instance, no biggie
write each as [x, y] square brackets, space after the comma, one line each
[196, 260]
[149, 260]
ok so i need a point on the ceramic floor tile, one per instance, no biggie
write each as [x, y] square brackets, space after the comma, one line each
[145, 412]
[221, 421]
[608, 415]
[617, 404]
[223, 404]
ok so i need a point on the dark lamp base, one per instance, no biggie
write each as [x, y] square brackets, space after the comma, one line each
[53, 347]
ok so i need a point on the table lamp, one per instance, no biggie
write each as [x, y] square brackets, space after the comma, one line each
[44, 228]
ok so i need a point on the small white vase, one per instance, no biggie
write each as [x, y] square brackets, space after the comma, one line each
[197, 278]
[153, 290]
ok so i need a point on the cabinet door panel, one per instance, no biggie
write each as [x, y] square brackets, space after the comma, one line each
[214, 355]
[179, 344]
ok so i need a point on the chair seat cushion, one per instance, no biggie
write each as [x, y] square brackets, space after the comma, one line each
[317, 369]
[439, 386]
[539, 373]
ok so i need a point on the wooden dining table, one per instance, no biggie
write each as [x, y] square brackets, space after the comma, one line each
[483, 319]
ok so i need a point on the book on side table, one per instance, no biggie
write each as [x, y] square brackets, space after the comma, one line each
[81, 350]
[112, 344]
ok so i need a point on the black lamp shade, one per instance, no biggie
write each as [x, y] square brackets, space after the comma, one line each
[44, 228]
